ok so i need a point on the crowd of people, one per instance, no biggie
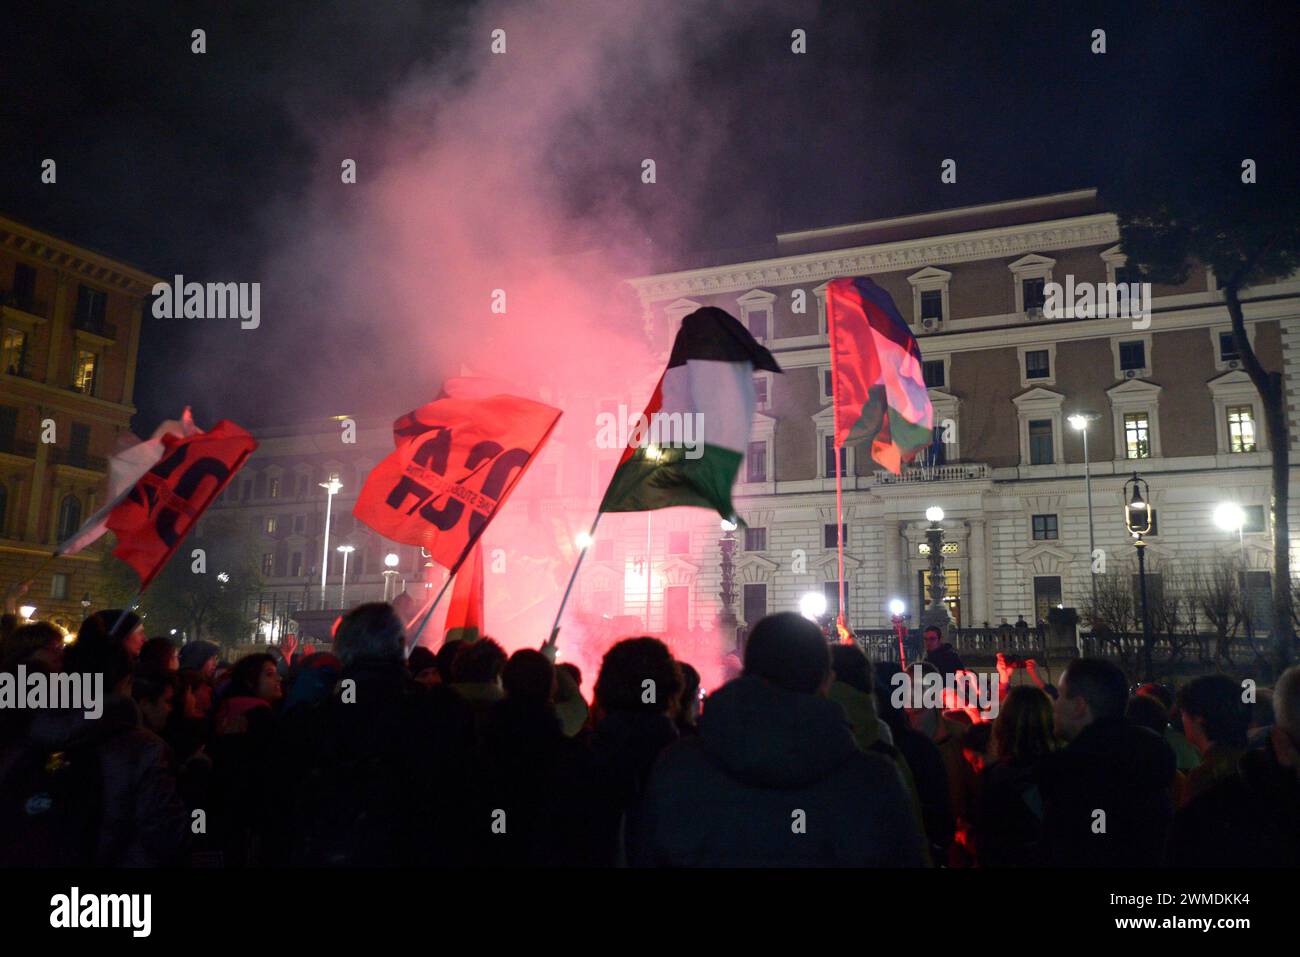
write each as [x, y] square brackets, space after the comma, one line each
[465, 756]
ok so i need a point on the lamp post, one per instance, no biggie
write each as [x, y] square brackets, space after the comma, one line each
[898, 615]
[1137, 518]
[390, 575]
[343, 588]
[1230, 517]
[85, 606]
[1080, 422]
[936, 615]
[727, 620]
[332, 487]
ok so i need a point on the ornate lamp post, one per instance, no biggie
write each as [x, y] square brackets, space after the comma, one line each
[1137, 518]
[898, 615]
[936, 614]
[343, 587]
[390, 575]
[1080, 422]
[726, 616]
[332, 487]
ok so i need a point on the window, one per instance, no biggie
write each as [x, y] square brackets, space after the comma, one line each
[83, 373]
[756, 312]
[302, 486]
[932, 304]
[299, 523]
[677, 602]
[1047, 595]
[1254, 518]
[59, 585]
[831, 459]
[268, 562]
[1032, 290]
[832, 592]
[755, 539]
[1040, 442]
[1132, 355]
[248, 490]
[1137, 436]
[272, 523]
[1045, 528]
[91, 306]
[1227, 348]
[1038, 364]
[8, 427]
[761, 391]
[754, 602]
[79, 444]
[829, 537]
[679, 543]
[275, 488]
[605, 550]
[828, 384]
[24, 286]
[296, 564]
[1241, 428]
[69, 516]
[13, 354]
[756, 462]
[932, 371]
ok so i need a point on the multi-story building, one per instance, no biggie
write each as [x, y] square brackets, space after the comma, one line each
[1004, 379]
[1004, 374]
[71, 322]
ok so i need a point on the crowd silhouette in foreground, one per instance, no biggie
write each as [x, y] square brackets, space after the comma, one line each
[467, 756]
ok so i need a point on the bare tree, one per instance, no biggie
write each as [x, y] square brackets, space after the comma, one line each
[1110, 612]
[1216, 589]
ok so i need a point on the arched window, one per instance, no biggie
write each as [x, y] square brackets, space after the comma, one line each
[69, 516]
[4, 508]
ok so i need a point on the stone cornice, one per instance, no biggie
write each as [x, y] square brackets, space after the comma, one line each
[77, 260]
[1094, 230]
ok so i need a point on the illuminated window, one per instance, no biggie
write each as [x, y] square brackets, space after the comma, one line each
[275, 488]
[83, 376]
[1137, 436]
[1241, 428]
[13, 355]
[272, 523]
[268, 563]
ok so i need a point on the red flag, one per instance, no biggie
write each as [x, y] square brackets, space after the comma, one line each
[164, 505]
[465, 613]
[457, 460]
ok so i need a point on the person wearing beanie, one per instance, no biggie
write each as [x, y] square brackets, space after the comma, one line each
[200, 656]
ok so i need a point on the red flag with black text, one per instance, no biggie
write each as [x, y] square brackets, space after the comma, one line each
[165, 503]
[465, 612]
[457, 460]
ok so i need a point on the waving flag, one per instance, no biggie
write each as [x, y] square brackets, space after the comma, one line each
[465, 613]
[687, 447]
[126, 467]
[880, 393]
[456, 462]
[164, 504]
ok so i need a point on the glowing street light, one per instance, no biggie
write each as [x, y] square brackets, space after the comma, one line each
[812, 605]
[896, 608]
[728, 526]
[343, 588]
[1230, 517]
[391, 561]
[583, 540]
[27, 611]
[332, 486]
[934, 514]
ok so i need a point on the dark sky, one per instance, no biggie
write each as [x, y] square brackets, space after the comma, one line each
[173, 161]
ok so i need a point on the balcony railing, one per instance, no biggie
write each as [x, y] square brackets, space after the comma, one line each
[933, 473]
[98, 328]
[79, 460]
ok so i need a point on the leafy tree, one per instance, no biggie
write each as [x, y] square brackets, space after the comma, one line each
[204, 604]
[1176, 217]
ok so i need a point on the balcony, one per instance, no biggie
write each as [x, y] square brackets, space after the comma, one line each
[12, 446]
[98, 328]
[933, 473]
[33, 307]
[78, 460]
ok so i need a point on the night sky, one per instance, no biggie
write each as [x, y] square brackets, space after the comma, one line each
[177, 162]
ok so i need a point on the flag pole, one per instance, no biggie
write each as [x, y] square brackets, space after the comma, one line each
[555, 627]
[415, 638]
[126, 611]
[839, 529]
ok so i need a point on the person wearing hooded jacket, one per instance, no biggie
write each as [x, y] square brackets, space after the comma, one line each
[775, 778]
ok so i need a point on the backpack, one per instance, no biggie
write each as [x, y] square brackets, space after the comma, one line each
[51, 808]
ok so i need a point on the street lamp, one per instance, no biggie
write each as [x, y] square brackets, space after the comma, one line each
[27, 611]
[343, 588]
[390, 574]
[1137, 518]
[1080, 422]
[332, 486]
[898, 615]
[812, 605]
[936, 615]
[85, 606]
[1230, 517]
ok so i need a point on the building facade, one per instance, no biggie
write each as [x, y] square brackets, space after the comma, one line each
[71, 321]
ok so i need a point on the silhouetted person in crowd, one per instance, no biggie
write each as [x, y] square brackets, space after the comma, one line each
[377, 774]
[154, 693]
[200, 656]
[1008, 821]
[158, 656]
[929, 775]
[1022, 630]
[423, 665]
[688, 705]
[1188, 757]
[1215, 720]
[1250, 818]
[127, 631]
[774, 777]
[940, 653]
[1106, 795]
[38, 642]
[106, 786]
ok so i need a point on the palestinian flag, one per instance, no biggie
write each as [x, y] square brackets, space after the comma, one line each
[880, 393]
[688, 445]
